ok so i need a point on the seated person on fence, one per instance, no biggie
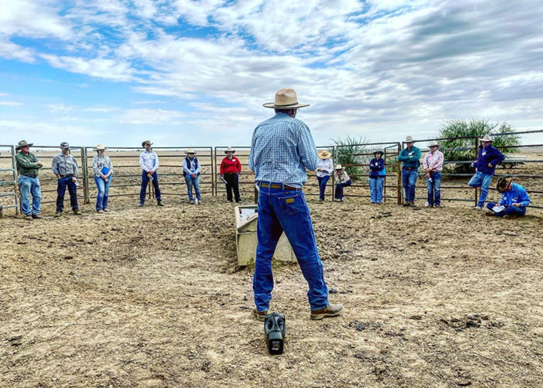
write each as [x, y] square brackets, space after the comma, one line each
[513, 202]
[342, 180]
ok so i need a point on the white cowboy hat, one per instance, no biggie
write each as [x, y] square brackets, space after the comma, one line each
[100, 147]
[324, 154]
[229, 149]
[285, 99]
[409, 139]
[339, 167]
[487, 138]
[434, 143]
[190, 151]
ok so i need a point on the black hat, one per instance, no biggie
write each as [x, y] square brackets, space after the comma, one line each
[379, 152]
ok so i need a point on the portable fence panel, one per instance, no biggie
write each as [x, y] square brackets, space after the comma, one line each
[246, 178]
[127, 173]
[355, 158]
[9, 194]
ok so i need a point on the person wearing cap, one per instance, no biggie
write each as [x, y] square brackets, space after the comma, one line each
[282, 149]
[488, 157]
[191, 171]
[377, 177]
[65, 168]
[433, 165]
[342, 181]
[410, 156]
[28, 167]
[149, 164]
[513, 202]
[103, 170]
[325, 169]
[229, 172]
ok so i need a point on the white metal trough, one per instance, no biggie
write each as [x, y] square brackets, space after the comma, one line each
[246, 240]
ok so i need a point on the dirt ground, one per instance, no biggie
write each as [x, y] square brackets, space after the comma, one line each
[153, 297]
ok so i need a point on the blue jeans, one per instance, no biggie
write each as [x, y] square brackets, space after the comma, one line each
[409, 181]
[322, 185]
[61, 190]
[286, 211]
[339, 188]
[512, 210]
[193, 182]
[145, 181]
[29, 186]
[434, 188]
[483, 181]
[376, 189]
[103, 192]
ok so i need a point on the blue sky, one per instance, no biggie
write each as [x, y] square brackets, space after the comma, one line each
[189, 73]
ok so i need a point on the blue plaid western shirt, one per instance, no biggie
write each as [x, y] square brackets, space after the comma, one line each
[282, 149]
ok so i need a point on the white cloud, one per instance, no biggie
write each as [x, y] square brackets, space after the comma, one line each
[149, 116]
[9, 50]
[101, 109]
[96, 67]
[11, 103]
[59, 108]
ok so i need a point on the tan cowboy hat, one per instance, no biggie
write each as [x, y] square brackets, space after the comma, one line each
[409, 139]
[285, 99]
[190, 151]
[324, 154]
[23, 143]
[339, 167]
[487, 138]
[100, 147]
[230, 149]
[145, 142]
[504, 183]
[434, 143]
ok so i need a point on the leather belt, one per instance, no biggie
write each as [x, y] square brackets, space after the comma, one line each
[276, 186]
[30, 175]
[67, 176]
[410, 168]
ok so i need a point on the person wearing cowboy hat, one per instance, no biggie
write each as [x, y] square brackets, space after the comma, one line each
[149, 164]
[377, 177]
[433, 165]
[488, 157]
[65, 168]
[103, 170]
[514, 200]
[282, 149]
[410, 156]
[342, 181]
[191, 172]
[325, 169]
[28, 167]
[229, 171]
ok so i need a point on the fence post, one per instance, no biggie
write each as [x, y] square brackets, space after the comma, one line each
[85, 167]
[15, 185]
[214, 182]
[476, 155]
[399, 167]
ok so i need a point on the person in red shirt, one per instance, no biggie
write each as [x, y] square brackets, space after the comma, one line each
[230, 170]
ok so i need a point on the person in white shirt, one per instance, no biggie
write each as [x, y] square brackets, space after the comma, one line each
[325, 169]
[342, 180]
[149, 164]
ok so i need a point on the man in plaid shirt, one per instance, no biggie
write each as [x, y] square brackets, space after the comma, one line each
[282, 149]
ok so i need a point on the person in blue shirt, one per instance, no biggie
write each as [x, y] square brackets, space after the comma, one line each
[377, 177]
[410, 156]
[488, 158]
[513, 202]
[282, 149]
[191, 171]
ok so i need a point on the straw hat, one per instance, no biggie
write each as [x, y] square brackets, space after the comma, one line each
[230, 149]
[504, 184]
[100, 147]
[434, 143]
[339, 167]
[145, 142]
[23, 143]
[190, 151]
[285, 99]
[324, 154]
[409, 139]
[378, 152]
[487, 138]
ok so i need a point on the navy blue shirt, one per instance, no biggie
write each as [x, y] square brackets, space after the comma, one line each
[488, 155]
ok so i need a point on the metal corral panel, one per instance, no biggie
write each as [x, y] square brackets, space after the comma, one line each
[246, 240]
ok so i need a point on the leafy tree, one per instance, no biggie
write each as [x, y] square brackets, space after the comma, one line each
[462, 145]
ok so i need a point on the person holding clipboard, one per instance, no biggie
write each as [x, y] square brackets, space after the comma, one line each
[103, 170]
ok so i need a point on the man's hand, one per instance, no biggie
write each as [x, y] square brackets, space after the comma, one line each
[74, 179]
[319, 169]
[516, 204]
[193, 175]
[149, 173]
[427, 175]
[490, 165]
[39, 164]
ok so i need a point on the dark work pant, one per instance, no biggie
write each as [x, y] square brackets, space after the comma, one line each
[145, 181]
[232, 183]
[322, 185]
[61, 190]
[510, 210]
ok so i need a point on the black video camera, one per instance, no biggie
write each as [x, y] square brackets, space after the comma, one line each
[275, 328]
